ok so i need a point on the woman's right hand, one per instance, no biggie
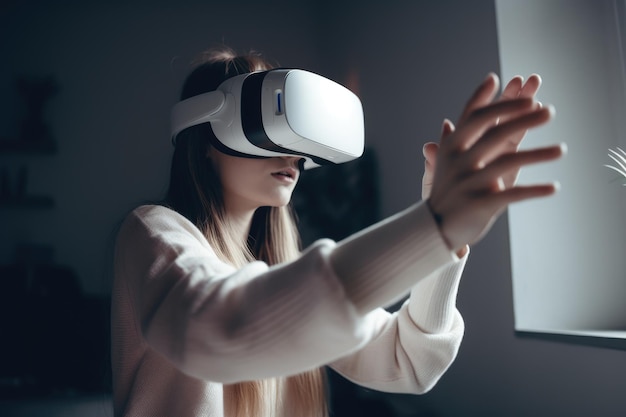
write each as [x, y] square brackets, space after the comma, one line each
[468, 192]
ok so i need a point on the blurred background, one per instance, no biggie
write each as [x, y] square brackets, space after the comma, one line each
[85, 93]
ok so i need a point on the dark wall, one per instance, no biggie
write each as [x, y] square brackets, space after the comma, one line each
[119, 68]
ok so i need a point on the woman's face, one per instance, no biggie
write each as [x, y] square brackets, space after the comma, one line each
[250, 183]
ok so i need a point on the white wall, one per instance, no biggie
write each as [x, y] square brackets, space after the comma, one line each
[568, 251]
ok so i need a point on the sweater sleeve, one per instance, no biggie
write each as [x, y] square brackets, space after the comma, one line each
[380, 264]
[413, 347]
[227, 325]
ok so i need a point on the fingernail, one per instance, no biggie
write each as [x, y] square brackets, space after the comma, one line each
[557, 185]
[563, 146]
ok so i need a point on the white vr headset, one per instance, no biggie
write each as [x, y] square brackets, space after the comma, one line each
[279, 112]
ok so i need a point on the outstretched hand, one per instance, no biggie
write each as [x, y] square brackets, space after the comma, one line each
[469, 178]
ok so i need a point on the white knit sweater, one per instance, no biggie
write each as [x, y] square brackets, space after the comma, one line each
[184, 322]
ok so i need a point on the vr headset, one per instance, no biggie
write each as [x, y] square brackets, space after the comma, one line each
[279, 112]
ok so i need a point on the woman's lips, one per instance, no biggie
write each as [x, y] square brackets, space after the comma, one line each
[287, 175]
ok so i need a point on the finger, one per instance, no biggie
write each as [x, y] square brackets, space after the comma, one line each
[513, 88]
[429, 166]
[515, 140]
[446, 129]
[484, 118]
[429, 170]
[485, 178]
[499, 201]
[430, 151]
[482, 96]
[429, 173]
[518, 88]
[531, 86]
[496, 140]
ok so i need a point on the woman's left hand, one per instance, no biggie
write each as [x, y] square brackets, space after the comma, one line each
[514, 89]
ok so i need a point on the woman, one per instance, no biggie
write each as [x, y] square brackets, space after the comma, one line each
[216, 312]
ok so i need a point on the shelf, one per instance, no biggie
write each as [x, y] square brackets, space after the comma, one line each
[27, 202]
[615, 339]
[27, 147]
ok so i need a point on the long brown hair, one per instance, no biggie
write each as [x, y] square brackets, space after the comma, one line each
[195, 191]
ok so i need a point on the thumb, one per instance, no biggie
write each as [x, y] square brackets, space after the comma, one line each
[430, 151]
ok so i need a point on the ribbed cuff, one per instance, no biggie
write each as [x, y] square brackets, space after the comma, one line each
[432, 304]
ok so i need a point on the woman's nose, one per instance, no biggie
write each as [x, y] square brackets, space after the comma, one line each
[295, 161]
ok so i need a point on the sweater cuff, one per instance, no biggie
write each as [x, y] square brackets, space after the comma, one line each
[432, 305]
[380, 264]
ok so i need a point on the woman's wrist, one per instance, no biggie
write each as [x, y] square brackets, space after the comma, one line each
[438, 220]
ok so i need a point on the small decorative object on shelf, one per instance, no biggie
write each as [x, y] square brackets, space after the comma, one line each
[619, 157]
[34, 133]
[34, 137]
[15, 195]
